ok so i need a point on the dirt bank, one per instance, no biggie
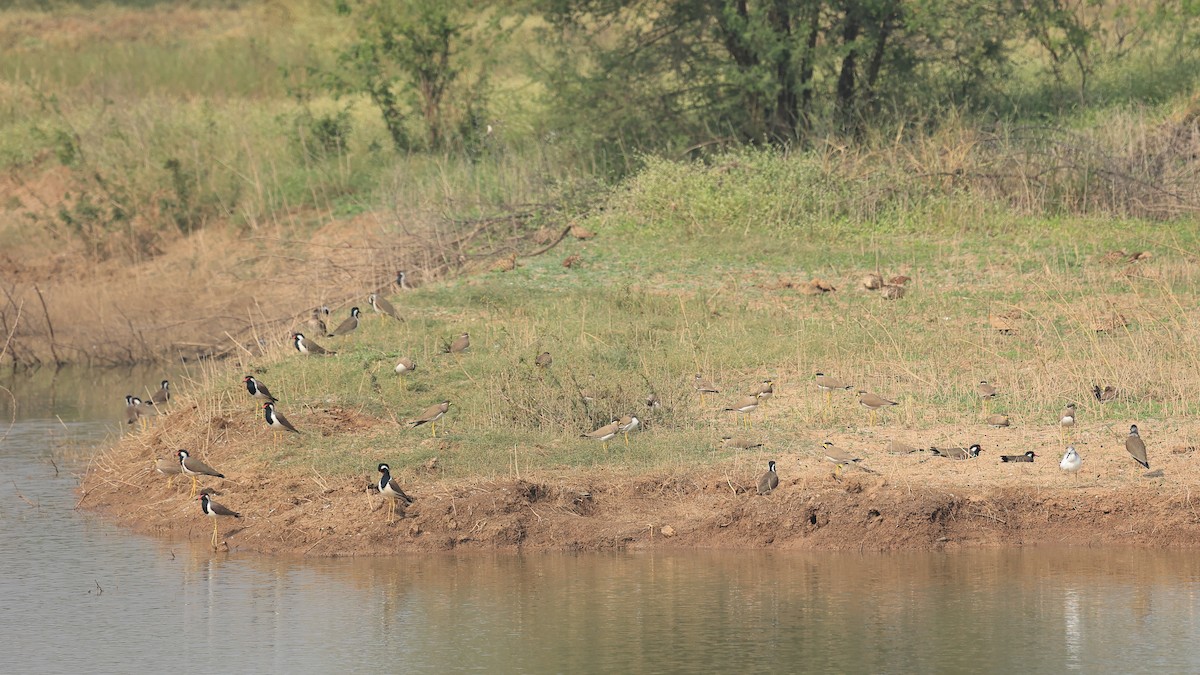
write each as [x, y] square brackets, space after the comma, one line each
[914, 502]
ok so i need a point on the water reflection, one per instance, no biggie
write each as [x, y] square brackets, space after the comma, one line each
[77, 593]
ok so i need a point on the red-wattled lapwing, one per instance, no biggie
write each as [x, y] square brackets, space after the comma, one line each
[403, 367]
[431, 416]
[461, 344]
[258, 389]
[163, 395]
[402, 280]
[605, 433]
[627, 424]
[347, 326]
[193, 467]
[958, 453]
[703, 386]
[382, 306]
[769, 480]
[1136, 447]
[744, 407]
[213, 510]
[1027, 457]
[169, 468]
[390, 489]
[873, 402]
[131, 409]
[308, 347]
[277, 421]
[144, 410]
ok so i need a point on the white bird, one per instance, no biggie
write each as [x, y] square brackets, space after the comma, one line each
[1071, 462]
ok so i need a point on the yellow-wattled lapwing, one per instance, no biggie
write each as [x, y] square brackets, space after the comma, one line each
[840, 458]
[431, 416]
[390, 489]
[169, 468]
[214, 510]
[403, 367]
[739, 443]
[1066, 422]
[308, 347]
[769, 480]
[703, 386]
[192, 467]
[382, 306]
[743, 408]
[765, 391]
[347, 326]
[1136, 447]
[827, 384]
[873, 402]
[258, 389]
[627, 424]
[986, 392]
[460, 344]
[605, 433]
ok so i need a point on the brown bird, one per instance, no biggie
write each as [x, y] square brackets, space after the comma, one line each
[193, 467]
[892, 292]
[740, 443]
[998, 420]
[391, 490]
[460, 344]
[163, 394]
[627, 424]
[1066, 422]
[704, 387]
[213, 510]
[605, 433]
[895, 447]
[839, 457]
[347, 326]
[873, 402]
[769, 480]
[958, 453]
[652, 401]
[382, 306]
[405, 365]
[1136, 447]
[1108, 393]
[308, 347]
[744, 407]
[827, 384]
[132, 409]
[316, 322]
[169, 468]
[431, 416]
[145, 410]
[765, 390]
[873, 281]
[1027, 457]
[544, 360]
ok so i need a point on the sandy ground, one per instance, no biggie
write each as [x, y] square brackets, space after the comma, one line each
[911, 502]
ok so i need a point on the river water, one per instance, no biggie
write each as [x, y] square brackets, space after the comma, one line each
[81, 595]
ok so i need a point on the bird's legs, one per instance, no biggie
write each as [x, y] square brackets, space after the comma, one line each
[391, 507]
[193, 494]
[214, 537]
[626, 439]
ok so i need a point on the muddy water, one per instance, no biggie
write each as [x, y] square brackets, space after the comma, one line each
[76, 593]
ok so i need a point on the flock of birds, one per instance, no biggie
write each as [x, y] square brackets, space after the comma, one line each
[181, 463]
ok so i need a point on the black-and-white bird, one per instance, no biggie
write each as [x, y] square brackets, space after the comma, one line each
[131, 409]
[769, 480]
[308, 347]
[276, 420]
[1136, 447]
[192, 467]
[347, 326]
[214, 510]
[958, 453]
[382, 306]
[258, 389]
[163, 394]
[402, 280]
[1027, 457]
[389, 488]
[1071, 461]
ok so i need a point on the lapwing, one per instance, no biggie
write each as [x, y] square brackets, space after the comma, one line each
[1071, 462]
[1027, 457]
[958, 453]
[544, 360]
[347, 326]
[765, 391]
[997, 420]
[144, 410]
[605, 433]
[873, 402]
[213, 510]
[1136, 447]
[277, 421]
[740, 443]
[316, 322]
[131, 409]
[986, 392]
[1066, 422]
[895, 447]
[769, 480]
[431, 416]
[744, 407]
[627, 424]
[827, 384]
[258, 389]
[704, 387]
[461, 344]
[308, 347]
[390, 489]
[382, 306]
[839, 457]
[403, 367]
[402, 280]
[163, 394]
[652, 401]
[169, 468]
[193, 467]
[1108, 393]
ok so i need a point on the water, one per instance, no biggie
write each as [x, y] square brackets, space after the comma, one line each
[78, 594]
